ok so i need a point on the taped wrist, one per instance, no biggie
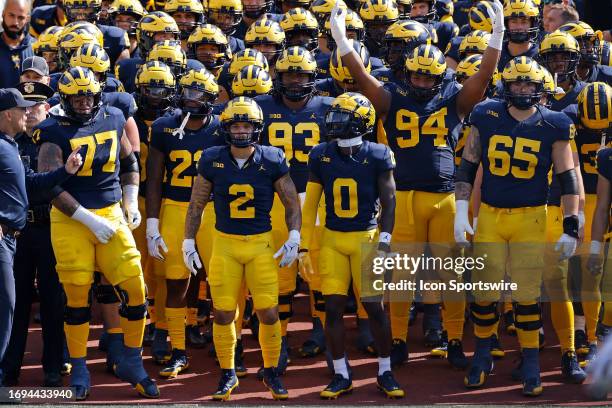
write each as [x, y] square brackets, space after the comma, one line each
[128, 164]
[466, 172]
[568, 182]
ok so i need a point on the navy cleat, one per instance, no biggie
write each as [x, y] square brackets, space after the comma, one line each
[496, 349]
[399, 352]
[455, 355]
[131, 370]
[194, 337]
[581, 343]
[482, 364]
[338, 386]
[530, 370]
[590, 355]
[387, 384]
[283, 358]
[114, 347]
[149, 335]
[177, 364]
[570, 369]
[272, 381]
[442, 350]
[159, 348]
[315, 345]
[365, 340]
[227, 384]
[79, 378]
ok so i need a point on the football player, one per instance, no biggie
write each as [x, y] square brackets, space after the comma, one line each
[293, 122]
[155, 95]
[176, 144]
[254, 10]
[341, 80]
[152, 28]
[475, 42]
[589, 42]
[301, 29]
[46, 16]
[521, 132]
[188, 14]
[242, 178]
[170, 53]
[88, 226]
[125, 14]
[288, 5]
[321, 9]
[480, 18]
[46, 46]
[251, 81]
[421, 116]
[377, 16]
[424, 11]
[522, 27]
[267, 37]
[364, 171]
[94, 57]
[226, 14]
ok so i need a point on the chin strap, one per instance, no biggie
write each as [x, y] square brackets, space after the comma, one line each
[180, 131]
[352, 142]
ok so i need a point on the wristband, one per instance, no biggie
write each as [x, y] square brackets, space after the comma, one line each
[596, 247]
[384, 237]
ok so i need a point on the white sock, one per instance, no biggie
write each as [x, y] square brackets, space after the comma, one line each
[579, 323]
[341, 368]
[384, 364]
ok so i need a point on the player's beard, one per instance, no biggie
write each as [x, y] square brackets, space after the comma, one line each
[13, 35]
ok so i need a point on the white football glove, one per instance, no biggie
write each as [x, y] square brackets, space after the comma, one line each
[155, 240]
[289, 250]
[130, 206]
[497, 35]
[191, 257]
[462, 222]
[102, 228]
[595, 261]
[600, 370]
[338, 30]
[567, 245]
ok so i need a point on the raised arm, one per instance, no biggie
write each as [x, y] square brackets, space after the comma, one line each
[368, 85]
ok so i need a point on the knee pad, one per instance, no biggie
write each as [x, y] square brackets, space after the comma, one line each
[527, 310]
[477, 310]
[133, 289]
[318, 300]
[285, 306]
[77, 315]
[106, 294]
[132, 313]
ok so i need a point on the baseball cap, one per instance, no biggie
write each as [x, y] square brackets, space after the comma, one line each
[12, 98]
[36, 64]
[35, 91]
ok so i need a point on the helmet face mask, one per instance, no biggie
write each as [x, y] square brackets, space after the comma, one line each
[350, 118]
[375, 31]
[295, 86]
[523, 94]
[83, 10]
[197, 102]
[303, 38]
[562, 63]
[423, 72]
[241, 122]
[528, 31]
[590, 50]
[80, 94]
[210, 55]
[254, 9]
[226, 20]
[422, 86]
[154, 101]
[423, 11]
[126, 22]
[186, 22]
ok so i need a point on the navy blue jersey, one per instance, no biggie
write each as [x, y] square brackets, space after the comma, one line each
[44, 17]
[350, 184]
[96, 184]
[235, 44]
[604, 163]
[182, 155]
[322, 59]
[12, 58]
[600, 73]
[113, 84]
[423, 136]
[144, 131]
[461, 12]
[587, 144]
[567, 99]
[463, 135]
[452, 51]
[126, 71]
[328, 87]
[517, 156]
[224, 78]
[115, 41]
[295, 132]
[121, 100]
[243, 197]
[506, 57]
[385, 75]
[445, 31]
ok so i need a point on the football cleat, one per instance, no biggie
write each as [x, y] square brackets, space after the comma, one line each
[131, 370]
[603, 331]
[283, 358]
[177, 364]
[114, 347]
[497, 351]
[570, 369]
[149, 335]
[103, 342]
[194, 337]
[227, 384]
[509, 323]
[581, 343]
[315, 345]
[272, 381]
[455, 355]
[387, 384]
[482, 364]
[590, 355]
[338, 386]
[365, 341]
[399, 352]
[239, 367]
[79, 378]
[532, 386]
[159, 348]
[433, 338]
[442, 349]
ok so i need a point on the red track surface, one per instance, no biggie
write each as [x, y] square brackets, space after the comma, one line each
[426, 380]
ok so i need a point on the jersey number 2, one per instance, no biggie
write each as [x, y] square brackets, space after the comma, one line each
[91, 142]
[245, 194]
